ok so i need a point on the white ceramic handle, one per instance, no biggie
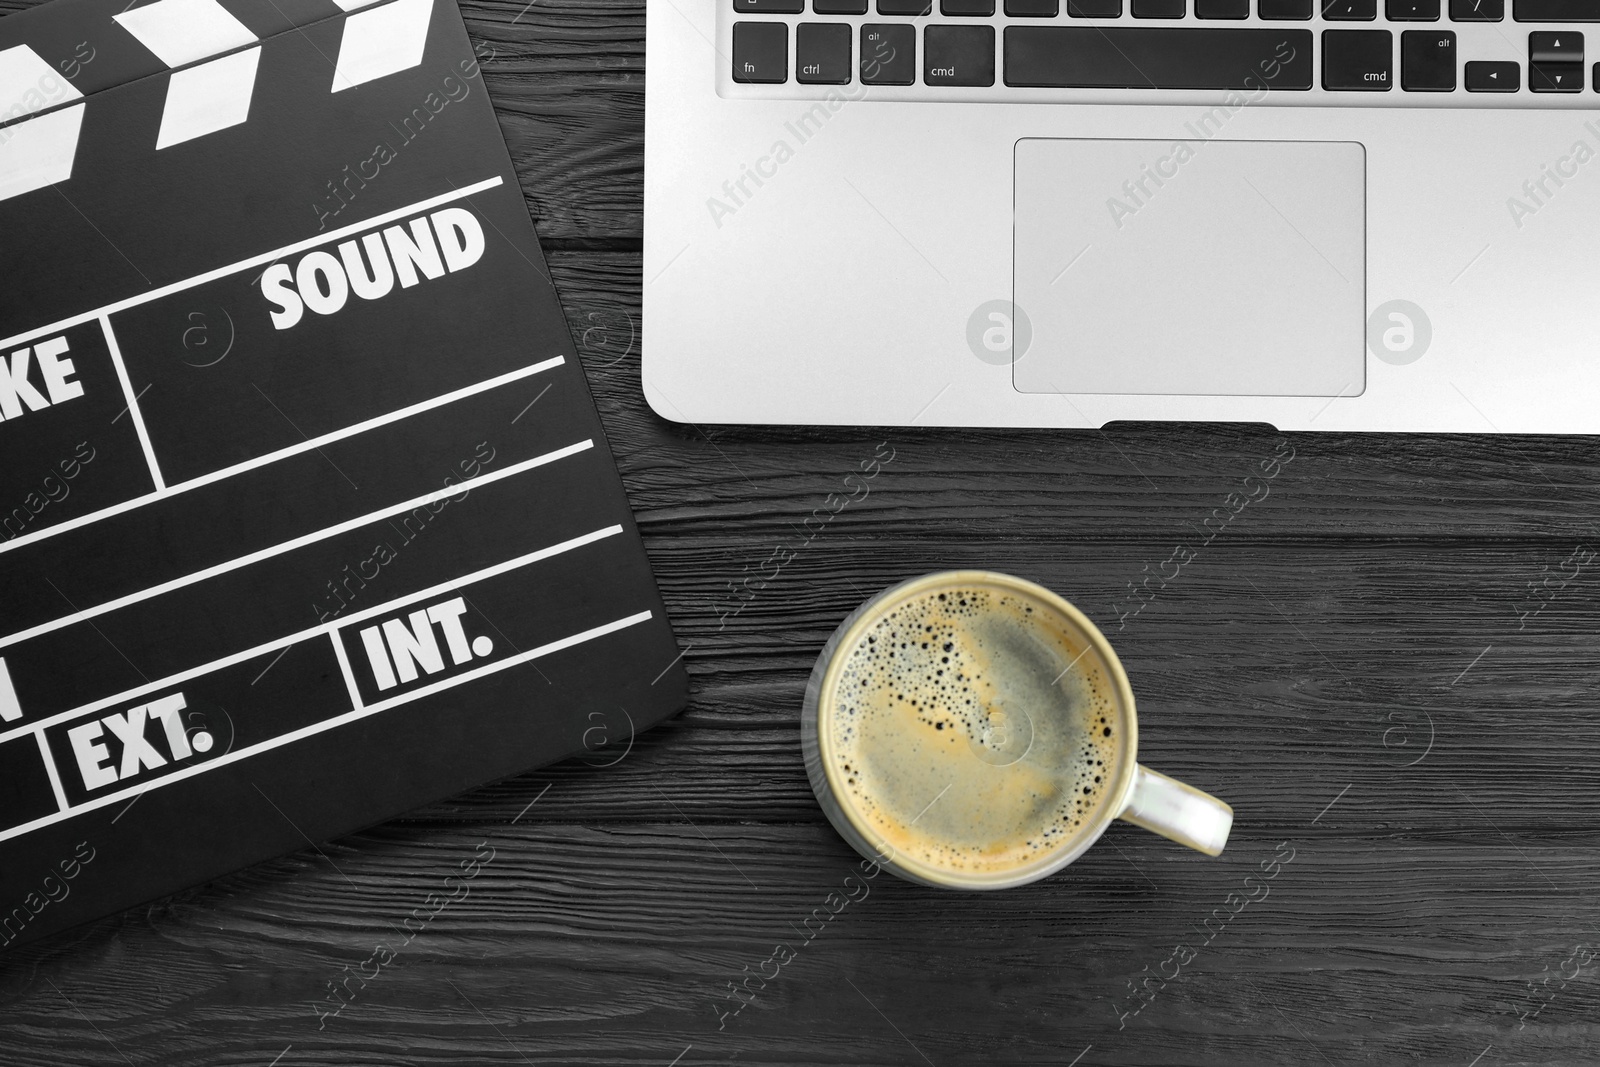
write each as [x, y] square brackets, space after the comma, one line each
[1178, 812]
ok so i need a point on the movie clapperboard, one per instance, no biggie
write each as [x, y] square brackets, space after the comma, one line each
[306, 516]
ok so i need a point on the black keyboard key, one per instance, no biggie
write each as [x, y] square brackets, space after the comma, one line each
[1477, 10]
[905, 7]
[768, 7]
[822, 53]
[1350, 10]
[1221, 9]
[839, 7]
[1493, 77]
[1032, 9]
[761, 52]
[1157, 57]
[1158, 9]
[1556, 11]
[1357, 60]
[1555, 46]
[1095, 9]
[1297, 10]
[1428, 61]
[888, 54]
[1412, 10]
[958, 55]
[1555, 77]
[967, 8]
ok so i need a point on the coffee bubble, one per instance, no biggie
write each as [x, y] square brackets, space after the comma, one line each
[973, 729]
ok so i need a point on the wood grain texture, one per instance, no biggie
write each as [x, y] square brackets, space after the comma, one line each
[1354, 662]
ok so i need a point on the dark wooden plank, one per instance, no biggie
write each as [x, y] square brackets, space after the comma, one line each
[586, 945]
[567, 80]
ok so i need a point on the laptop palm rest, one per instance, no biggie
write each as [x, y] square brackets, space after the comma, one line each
[1195, 267]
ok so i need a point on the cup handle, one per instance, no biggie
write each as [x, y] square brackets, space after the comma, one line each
[1178, 812]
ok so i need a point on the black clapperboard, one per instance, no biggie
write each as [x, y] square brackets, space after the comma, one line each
[306, 516]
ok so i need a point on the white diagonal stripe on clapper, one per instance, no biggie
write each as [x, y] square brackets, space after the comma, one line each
[182, 31]
[38, 151]
[29, 84]
[383, 41]
[211, 96]
[208, 98]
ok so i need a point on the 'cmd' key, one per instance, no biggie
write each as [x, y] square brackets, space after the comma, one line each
[1357, 60]
[958, 55]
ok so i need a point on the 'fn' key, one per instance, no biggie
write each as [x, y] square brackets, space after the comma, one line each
[761, 52]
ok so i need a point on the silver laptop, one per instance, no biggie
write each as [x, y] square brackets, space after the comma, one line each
[1319, 214]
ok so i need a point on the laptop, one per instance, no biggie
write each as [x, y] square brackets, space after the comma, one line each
[1369, 215]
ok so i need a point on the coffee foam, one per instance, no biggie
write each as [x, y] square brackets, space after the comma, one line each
[973, 729]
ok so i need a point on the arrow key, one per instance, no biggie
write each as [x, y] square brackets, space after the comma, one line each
[1497, 77]
[1555, 77]
[1561, 46]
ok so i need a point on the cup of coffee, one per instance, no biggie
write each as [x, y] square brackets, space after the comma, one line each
[971, 730]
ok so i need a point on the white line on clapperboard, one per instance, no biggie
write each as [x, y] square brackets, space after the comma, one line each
[330, 627]
[50, 769]
[330, 724]
[294, 543]
[134, 413]
[283, 453]
[164, 491]
[253, 261]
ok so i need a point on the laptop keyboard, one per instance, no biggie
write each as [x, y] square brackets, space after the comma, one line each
[1465, 53]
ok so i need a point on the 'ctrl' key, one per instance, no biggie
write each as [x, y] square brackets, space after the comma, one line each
[822, 53]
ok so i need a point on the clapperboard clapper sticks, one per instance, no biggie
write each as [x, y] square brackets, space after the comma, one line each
[306, 517]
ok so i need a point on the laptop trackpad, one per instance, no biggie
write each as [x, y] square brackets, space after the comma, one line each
[1233, 268]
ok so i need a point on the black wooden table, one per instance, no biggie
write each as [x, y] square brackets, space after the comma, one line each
[1387, 665]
